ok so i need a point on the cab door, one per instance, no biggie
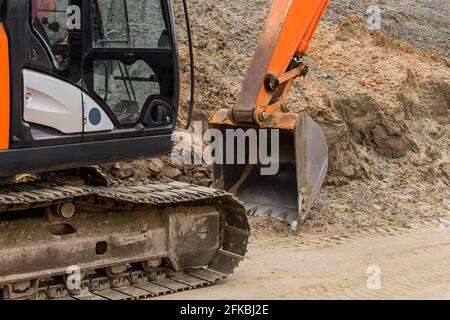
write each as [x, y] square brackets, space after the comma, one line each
[130, 68]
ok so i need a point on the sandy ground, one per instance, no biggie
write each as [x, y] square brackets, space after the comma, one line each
[408, 263]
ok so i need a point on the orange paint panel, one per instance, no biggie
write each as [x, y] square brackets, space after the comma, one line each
[4, 90]
[319, 11]
[298, 29]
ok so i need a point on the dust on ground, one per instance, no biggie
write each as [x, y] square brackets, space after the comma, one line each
[410, 265]
[382, 97]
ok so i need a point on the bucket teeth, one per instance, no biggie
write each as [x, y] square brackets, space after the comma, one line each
[284, 214]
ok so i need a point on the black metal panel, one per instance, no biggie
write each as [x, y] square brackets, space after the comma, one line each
[22, 42]
[81, 154]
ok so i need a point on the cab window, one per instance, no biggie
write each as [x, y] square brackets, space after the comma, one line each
[130, 24]
[131, 53]
[49, 19]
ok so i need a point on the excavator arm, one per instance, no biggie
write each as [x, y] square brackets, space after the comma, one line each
[303, 157]
[276, 63]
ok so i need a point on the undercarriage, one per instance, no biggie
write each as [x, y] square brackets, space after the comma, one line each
[60, 241]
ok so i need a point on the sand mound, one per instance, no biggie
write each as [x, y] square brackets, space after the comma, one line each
[384, 106]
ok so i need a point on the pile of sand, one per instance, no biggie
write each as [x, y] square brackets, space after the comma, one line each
[384, 107]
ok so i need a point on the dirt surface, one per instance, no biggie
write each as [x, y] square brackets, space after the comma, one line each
[384, 264]
[423, 23]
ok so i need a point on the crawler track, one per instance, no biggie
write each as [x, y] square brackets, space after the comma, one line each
[157, 198]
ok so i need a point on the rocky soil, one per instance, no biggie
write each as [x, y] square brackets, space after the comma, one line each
[423, 23]
[382, 97]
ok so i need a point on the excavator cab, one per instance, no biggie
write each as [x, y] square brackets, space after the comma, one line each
[91, 81]
[274, 160]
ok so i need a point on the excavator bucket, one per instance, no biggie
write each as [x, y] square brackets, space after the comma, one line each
[291, 166]
[297, 146]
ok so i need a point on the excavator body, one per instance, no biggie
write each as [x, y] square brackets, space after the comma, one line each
[297, 144]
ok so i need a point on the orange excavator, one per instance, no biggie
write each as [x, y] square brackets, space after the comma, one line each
[86, 82]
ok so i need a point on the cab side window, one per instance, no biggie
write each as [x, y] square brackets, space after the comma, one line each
[49, 19]
[130, 24]
[129, 84]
